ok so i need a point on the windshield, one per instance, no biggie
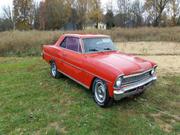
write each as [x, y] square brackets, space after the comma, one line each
[98, 44]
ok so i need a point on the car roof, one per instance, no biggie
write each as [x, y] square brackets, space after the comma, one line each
[86, 35]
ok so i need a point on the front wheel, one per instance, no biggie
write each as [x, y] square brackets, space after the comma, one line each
[54, 71]
[101, 94]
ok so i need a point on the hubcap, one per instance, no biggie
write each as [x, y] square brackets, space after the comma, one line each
[100, 92]
[53, 69]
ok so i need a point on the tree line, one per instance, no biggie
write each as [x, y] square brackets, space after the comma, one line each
[57, 14]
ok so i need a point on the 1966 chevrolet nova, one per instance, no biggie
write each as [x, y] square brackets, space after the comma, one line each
[93, 62]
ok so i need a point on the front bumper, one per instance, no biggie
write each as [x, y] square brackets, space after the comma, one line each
[133, 89]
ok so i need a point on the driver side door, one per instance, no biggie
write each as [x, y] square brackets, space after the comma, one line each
[72, 58]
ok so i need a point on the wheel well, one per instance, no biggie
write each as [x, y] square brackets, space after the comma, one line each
[51, 61]
[92, 82]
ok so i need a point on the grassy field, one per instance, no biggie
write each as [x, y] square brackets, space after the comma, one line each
[31, 102]
[28, 43]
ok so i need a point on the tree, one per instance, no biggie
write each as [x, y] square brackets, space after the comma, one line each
[42, 17]
[174, 9]
[155, 9]
[137, 13]
[23, 14]
[123, 10]
[57, 13]
[109, 19]
[36, 15]
[95, 13]
[81, 7]
[7, 21]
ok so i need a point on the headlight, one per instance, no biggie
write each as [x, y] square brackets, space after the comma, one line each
[152, 71]
[118, 82]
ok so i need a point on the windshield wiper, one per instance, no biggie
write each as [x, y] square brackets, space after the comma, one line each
[93, 50]
[107, 49]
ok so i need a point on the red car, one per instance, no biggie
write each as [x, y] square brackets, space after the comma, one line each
[94, 62]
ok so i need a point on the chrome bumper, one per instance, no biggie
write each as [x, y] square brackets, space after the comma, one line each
[133, 89]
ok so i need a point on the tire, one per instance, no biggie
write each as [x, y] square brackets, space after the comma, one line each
[101, 94]
[54, 72]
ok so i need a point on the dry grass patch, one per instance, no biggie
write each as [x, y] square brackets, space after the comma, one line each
[166, 64]
[150, 48]
[28, 43]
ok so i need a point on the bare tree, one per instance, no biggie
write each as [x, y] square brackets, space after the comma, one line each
[6, 23]
[123, 9]
[137, 13]
[174, 10]
[155, 9]
[7, 12]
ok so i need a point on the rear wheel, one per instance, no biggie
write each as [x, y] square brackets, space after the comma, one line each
[54, 71]
[101, 94]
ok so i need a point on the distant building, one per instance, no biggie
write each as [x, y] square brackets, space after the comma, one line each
[130, 23]
[69, 27]
[92, 25]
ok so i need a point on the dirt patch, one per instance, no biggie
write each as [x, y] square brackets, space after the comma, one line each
[150, 48]
[55, 127]
[163, 125]
[165, 120]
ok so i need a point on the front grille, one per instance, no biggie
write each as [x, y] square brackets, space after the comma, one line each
[136, 78]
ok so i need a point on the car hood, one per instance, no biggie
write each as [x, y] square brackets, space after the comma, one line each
[120, 62]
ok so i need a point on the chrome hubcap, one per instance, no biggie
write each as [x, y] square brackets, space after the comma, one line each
[53, 69]
[100, 92]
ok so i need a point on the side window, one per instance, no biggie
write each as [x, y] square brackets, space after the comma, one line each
[73, 44]
[63, 44]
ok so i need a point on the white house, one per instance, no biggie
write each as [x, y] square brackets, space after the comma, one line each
[101, 26]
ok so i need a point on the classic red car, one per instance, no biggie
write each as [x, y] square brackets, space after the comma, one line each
[94, 62]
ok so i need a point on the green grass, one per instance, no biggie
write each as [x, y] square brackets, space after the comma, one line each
[31, 102]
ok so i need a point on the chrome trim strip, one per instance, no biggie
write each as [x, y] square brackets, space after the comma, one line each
[133, 86]
[75, 80]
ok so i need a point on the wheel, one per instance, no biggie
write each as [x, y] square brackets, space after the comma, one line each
[54, 71]
[101, 94]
